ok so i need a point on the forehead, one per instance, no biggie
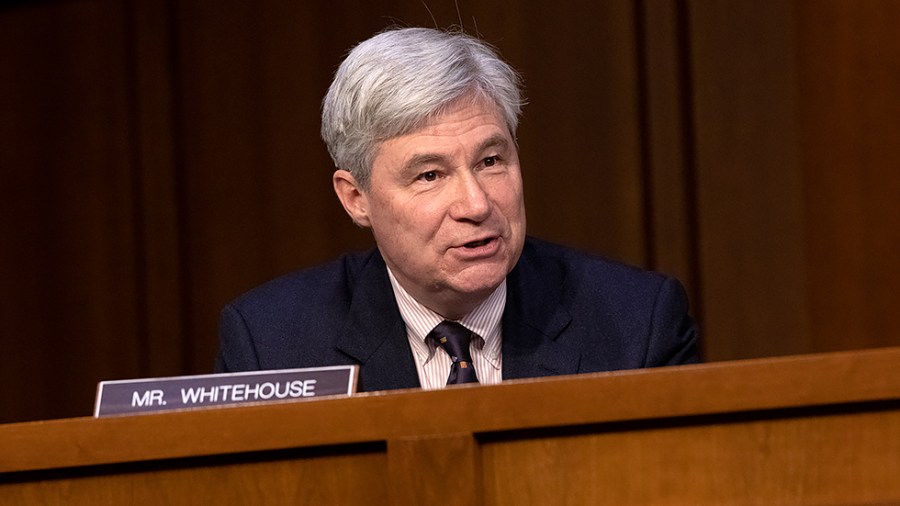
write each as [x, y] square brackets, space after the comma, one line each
[468, 108]
[464, 124]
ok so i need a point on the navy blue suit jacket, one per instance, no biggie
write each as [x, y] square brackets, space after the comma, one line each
[566, 313]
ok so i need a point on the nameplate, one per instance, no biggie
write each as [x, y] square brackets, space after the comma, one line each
[186, 392]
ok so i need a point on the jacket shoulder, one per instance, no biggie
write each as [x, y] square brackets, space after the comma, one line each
[623, 316]
[306, 288]
[580, 271]
[293, 320]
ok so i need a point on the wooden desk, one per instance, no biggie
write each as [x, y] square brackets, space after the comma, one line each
[820, 429]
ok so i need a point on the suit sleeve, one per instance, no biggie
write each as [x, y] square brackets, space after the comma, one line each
[673, 334]
[236, 349]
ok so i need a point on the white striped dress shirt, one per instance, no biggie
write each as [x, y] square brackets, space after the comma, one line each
[432, 363]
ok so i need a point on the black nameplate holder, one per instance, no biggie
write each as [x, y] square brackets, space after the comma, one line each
[123, 397]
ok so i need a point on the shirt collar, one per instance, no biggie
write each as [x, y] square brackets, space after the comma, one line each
[484, 320]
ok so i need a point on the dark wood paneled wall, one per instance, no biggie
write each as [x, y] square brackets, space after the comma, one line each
[71, 296]
[796, 116]
[748, 184]
[849, 143]
[159, 158]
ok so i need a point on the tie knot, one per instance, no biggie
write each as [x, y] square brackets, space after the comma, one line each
[454, 339]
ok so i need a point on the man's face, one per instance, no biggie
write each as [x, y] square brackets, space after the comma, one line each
[445, 205]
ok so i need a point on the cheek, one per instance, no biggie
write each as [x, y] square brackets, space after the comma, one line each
[508, 196]
[412, 222]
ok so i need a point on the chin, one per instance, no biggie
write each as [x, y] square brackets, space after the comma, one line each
[475, 282]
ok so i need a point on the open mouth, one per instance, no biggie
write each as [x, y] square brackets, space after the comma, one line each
[478, 244]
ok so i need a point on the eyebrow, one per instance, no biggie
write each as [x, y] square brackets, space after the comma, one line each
[422, 159]
[494, 141]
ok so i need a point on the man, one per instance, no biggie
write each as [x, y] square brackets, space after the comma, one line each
[421, 126]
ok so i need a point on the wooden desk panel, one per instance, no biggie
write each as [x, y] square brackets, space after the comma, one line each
[847, 458]
[353, 478]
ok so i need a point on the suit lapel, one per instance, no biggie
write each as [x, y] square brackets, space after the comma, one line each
[374, 334]
[534, 318]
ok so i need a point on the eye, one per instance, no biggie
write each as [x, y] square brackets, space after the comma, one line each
[491, 161]
[428, 176]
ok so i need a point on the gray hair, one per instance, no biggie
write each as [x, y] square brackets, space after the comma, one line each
[394, 82]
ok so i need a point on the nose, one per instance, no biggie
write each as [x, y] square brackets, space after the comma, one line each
[472, 201]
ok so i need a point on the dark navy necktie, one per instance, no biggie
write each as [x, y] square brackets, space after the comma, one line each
[454, 339]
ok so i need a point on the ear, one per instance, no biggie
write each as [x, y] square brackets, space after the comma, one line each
[354, 200]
